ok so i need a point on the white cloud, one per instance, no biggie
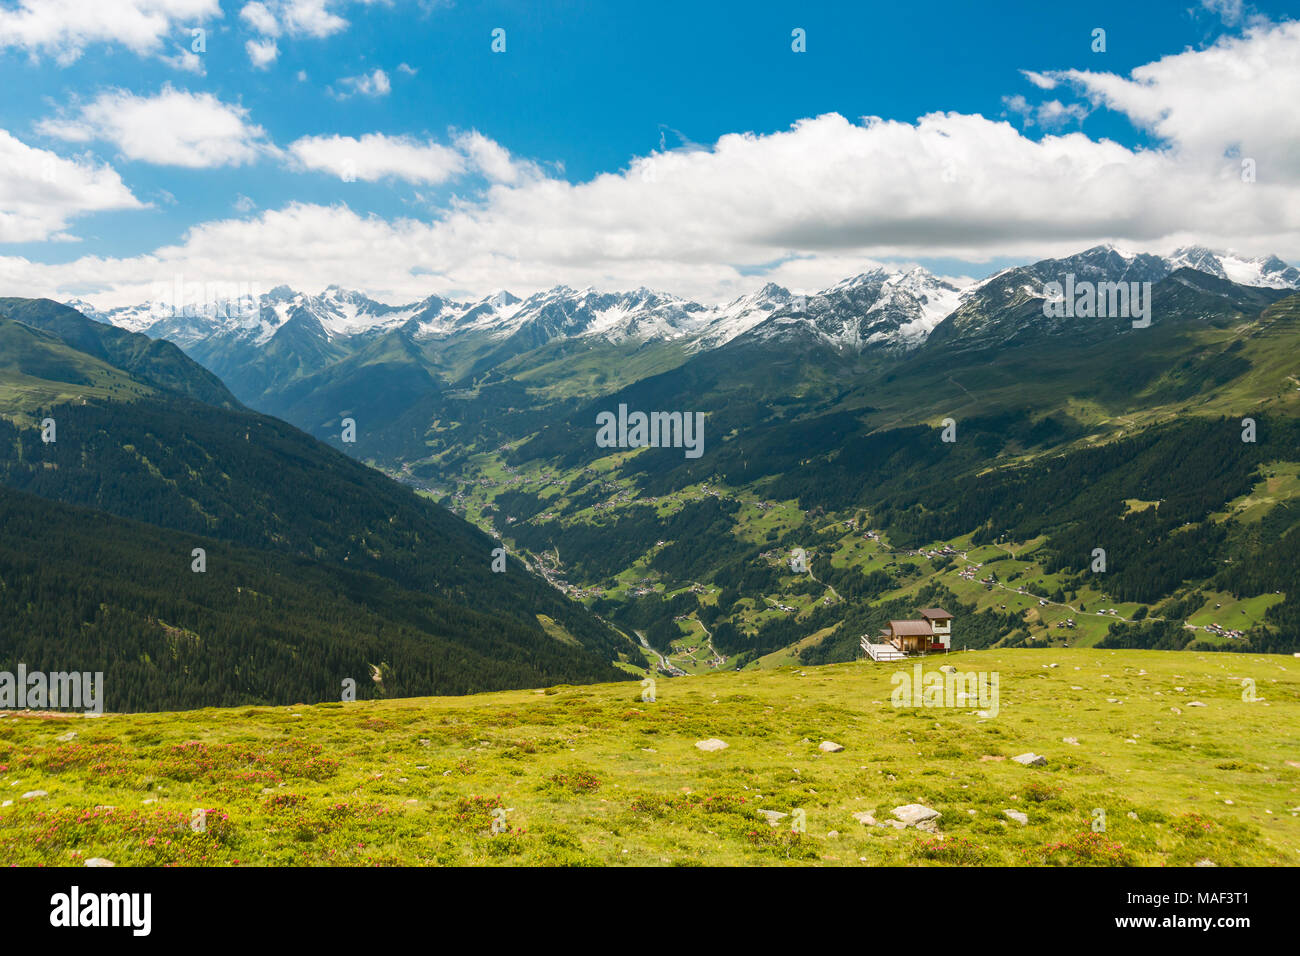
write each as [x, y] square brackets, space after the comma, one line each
[1238, 97]
[186, 60]
[1231, 12]
[272, 19]
[1052, 114]
[314, 18]
[173, 128]
[801, 205]
[494, 161]
[41, 191]
[259, 17]
[262, 53]
[64, 28]
[367, 84]
[375, 156]
[1039, 80]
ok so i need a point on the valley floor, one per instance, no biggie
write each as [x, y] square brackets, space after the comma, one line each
[1170, 760]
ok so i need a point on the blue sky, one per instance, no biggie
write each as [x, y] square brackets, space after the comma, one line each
[585, 90]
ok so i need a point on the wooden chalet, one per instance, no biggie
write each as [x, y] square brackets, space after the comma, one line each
[930, 633]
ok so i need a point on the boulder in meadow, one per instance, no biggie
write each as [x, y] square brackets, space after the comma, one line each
[913, 813]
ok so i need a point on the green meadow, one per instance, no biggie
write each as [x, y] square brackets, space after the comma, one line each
[1174, 758]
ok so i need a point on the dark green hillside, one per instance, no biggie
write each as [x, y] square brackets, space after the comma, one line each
[1209, 340]
[374, 387]
[81, 590]
[259, 483]
[754, 396]
[361, 569]
[1014, 384]
[300, 348]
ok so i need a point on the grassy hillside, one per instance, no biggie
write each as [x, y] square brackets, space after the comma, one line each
[38, 370]
[149, 361]
[594, 775]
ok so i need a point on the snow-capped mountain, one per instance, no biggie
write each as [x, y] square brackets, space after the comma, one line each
[740, 315]
[133, 318]
[562, 313]
[1007, 307]
[878, 309]
[642, 315]
[1108, 263]
[1269, 272]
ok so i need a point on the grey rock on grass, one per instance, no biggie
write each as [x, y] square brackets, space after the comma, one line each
[913, 813]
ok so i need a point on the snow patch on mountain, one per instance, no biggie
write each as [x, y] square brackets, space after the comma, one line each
[738, 316]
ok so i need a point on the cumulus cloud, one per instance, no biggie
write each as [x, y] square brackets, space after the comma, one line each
[186, 60]
[367, 84]
[1237, 97]
[172, 128]
[1040, 80]
[802, 204]
[271, 19]
[1231, 12]
[41, 191]
[259, 17]
[64, 28]
[375, 156]
[494, 161]
[262, 53]
[1051, 114]
[314, 18]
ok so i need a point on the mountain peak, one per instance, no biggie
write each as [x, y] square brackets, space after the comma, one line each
[771, 290]
[871, 277]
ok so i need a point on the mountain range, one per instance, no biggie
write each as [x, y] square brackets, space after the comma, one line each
[822, 418]
[893, 309]
[297, 355]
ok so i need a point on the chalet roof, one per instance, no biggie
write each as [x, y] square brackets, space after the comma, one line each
[910, 628]
[932, 613]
